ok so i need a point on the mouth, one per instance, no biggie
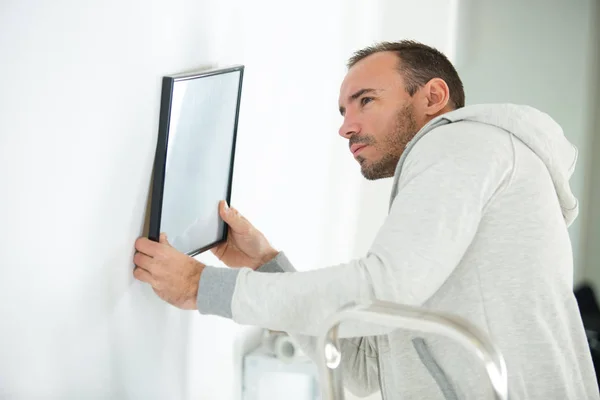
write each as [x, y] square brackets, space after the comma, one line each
[357, 148]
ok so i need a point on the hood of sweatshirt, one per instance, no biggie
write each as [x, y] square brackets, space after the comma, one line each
[537, 130]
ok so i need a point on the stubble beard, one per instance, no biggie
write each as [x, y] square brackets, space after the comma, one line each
[393, 146]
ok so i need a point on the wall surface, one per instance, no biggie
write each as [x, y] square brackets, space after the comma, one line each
[78, 120]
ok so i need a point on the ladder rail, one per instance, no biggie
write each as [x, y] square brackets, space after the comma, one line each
[395, 315]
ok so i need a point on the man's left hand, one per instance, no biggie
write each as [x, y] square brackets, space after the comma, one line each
[174, 276]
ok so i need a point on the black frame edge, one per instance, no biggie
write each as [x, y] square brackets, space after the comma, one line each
[160, 158]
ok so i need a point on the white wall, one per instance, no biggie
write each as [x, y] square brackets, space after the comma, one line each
[80, 84]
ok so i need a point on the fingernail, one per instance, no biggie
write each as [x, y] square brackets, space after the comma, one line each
[226, 207]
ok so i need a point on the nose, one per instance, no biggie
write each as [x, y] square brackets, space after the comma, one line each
[349, 128]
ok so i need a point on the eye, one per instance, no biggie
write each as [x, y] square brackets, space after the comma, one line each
[365, 100]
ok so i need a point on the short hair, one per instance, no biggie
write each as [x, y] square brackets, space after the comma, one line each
[418, 64]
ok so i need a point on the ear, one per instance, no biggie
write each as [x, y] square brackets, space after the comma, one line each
[437, 94]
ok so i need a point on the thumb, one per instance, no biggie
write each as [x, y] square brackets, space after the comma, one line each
[163, 239]
[232, 217]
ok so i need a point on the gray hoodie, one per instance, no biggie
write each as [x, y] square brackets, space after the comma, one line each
[477, 227]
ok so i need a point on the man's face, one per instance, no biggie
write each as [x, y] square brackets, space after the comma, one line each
[379, 115]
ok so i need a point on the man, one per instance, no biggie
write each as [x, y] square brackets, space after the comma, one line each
[477, 227]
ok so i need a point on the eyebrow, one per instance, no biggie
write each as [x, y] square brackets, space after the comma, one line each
[356, 95]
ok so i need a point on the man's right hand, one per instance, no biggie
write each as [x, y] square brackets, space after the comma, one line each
[245, 246]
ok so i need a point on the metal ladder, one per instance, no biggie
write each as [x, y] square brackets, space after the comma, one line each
[407, 317]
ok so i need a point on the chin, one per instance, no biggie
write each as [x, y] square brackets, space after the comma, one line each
[369, 175]
[375, 171]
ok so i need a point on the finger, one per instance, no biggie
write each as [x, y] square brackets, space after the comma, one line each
[234, 218]
[143, 275]
[227, 212]
[223, 209]
[147, 246]
[235, 213]
[143, 261]
[163, 239]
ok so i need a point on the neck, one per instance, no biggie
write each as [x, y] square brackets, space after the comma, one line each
[428, 118]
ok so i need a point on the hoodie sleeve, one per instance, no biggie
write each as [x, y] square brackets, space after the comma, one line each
[446, 182]
[359, 354]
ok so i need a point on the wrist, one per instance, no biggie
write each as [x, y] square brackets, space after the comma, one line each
[194, 286]
[266, 257]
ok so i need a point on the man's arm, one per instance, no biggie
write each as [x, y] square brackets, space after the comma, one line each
[447, 181]
[359, 355]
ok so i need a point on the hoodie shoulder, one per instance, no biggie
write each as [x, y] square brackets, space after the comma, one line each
[470, 144]
[470, 155]
[487, 129]
[541, 134]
